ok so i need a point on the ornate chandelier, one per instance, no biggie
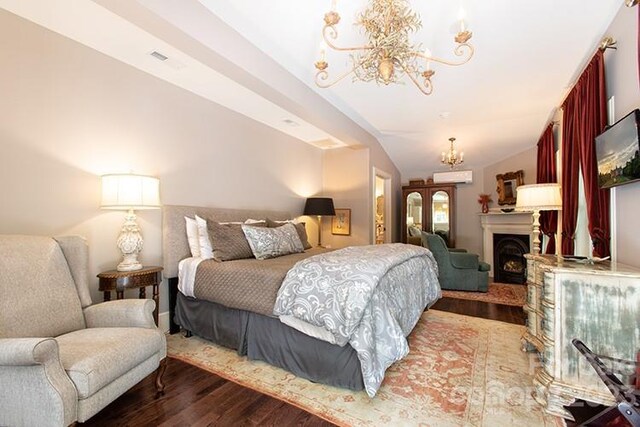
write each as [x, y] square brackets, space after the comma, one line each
[451, 158]
[388, 54]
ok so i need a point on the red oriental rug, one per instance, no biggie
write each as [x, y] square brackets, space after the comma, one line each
[461, 371]
[499, 293]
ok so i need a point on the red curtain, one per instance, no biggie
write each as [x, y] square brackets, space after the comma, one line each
[585, 116]
[569, 172]
[546, 172]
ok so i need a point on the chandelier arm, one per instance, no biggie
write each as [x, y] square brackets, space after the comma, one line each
[334, 35]
[428, 86]
[459, 51]
[322, 75]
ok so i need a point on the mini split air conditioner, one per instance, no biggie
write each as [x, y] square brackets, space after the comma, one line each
[457, 177]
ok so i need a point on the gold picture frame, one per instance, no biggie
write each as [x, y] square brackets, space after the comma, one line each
[341, 222]
[507, 184]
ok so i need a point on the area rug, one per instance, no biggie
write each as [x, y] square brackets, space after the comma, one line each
[461, 371]
[499, 293]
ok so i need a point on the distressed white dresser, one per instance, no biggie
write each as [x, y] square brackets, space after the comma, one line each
[598, 304]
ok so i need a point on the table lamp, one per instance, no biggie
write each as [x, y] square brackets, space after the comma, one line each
[319, 206]
[536, 198]
[129, 192]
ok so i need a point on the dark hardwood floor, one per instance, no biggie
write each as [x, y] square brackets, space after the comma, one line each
[485, 310]
[194, 397]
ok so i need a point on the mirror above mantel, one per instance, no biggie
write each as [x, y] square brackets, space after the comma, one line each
[506, 186]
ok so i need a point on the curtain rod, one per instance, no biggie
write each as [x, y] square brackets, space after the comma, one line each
[606, 43]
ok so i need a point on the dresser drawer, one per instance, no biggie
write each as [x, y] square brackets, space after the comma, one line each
[531, 295]
[548, 287]
[531, 268]
[547, 321]
[547, 356]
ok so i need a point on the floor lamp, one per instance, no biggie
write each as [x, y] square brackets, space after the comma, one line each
[319, 206]
[536, 198]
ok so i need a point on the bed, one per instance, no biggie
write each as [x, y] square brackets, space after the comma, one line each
[235, 301]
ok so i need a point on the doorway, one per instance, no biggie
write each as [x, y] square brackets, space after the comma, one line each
[381, 207]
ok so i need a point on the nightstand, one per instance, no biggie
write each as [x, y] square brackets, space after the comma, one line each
[118, 281]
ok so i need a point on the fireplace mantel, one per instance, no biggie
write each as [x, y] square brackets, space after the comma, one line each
[503, 223]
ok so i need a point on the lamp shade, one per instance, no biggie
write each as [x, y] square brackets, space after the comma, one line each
[128, 191]
[540, 197]
[319, 206]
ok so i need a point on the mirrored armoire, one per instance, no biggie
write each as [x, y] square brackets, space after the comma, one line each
[430, 208]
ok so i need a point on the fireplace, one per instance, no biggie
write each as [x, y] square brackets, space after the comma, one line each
[508, 257]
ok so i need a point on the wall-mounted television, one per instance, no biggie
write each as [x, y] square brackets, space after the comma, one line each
[618, 152]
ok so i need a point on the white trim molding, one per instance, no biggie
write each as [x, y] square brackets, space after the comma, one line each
[163, 321]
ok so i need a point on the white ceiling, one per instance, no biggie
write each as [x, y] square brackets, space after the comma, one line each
[527, 56]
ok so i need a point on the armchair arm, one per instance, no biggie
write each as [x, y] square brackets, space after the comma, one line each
[27, 351]
[464, 261]
[35, 387]
[457, 250]
[124, 313]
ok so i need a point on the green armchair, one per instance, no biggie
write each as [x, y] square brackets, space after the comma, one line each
[459, 271]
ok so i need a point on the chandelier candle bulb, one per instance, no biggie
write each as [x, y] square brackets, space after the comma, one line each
[461, 17]
[334, 4]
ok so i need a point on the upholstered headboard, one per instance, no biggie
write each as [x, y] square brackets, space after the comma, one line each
[174, 234]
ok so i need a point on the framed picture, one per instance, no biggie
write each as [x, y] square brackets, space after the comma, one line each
[341, 222]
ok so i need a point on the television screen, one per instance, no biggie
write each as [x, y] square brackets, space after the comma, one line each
[618, 152]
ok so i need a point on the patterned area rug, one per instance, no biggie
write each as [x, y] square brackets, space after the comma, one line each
[461, 371]
[499, 293]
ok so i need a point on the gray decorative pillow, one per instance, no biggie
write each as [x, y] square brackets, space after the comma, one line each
[300, 228]
[273, 242]
[228, 241]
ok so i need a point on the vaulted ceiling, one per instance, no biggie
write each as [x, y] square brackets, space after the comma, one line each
[527, 56]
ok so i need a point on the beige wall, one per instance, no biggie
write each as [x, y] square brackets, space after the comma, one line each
[468, 231]
[69, 114]
[525, 160]
[621, 69]
[346, 179]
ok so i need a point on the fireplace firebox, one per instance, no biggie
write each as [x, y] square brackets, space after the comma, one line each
[508, 258]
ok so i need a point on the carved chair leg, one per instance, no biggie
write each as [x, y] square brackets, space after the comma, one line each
[159, 374]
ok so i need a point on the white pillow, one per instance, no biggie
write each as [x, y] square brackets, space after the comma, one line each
[206, 252]
[254, 221]
[192, 236]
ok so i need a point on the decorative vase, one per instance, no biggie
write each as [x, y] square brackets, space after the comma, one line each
[485, 207]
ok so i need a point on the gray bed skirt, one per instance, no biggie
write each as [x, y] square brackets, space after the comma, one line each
[265, 338]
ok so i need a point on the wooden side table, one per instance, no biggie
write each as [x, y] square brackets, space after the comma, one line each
[120, 280]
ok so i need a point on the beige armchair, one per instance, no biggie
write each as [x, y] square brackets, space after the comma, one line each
[63, 359]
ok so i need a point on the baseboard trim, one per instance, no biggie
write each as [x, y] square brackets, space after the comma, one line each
[163, 321]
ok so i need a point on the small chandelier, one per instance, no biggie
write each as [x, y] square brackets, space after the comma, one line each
[451, 158]
[388, 55]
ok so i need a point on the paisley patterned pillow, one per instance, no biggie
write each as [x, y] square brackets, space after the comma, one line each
[273, 242]
[300, 228]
